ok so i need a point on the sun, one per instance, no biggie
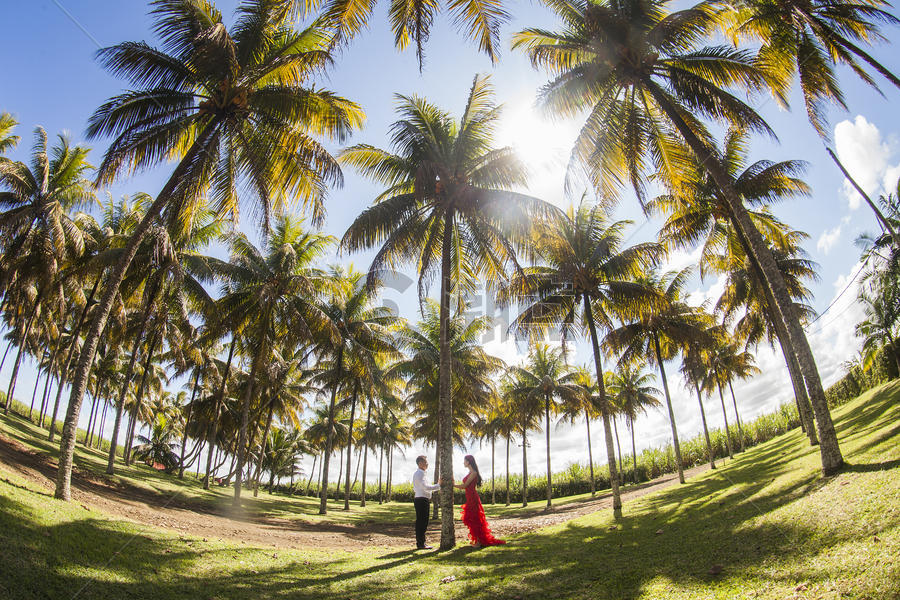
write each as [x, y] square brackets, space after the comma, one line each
[543, 145]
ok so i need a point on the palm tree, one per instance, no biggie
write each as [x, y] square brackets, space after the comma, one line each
[8, 141]
[546, 377]
[359, 331]
[168, 279]
[235, 106]
[634, 395]
[488, 427]
[807, 40]
[447, 207]
[583, 404]
[730, 363]
[695, 211]
[881, 307]
[271, 295]
[694, 370]
[472, 373]
[39, 234]
[583, 279]
[161, 445]
[411, 22]
[745, 301]
[658, 333]
[284, 389]
[508, 422]
[525, 412]
[637, 68]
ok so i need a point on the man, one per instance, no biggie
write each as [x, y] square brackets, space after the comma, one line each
[422, 492]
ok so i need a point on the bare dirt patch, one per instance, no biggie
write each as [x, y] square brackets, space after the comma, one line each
[188, 517]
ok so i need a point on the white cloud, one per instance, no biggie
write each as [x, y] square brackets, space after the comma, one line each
[867, 157]
[830, 237]
[680, 259]
[712, 294]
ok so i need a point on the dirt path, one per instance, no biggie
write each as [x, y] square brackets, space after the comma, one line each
[175, 513]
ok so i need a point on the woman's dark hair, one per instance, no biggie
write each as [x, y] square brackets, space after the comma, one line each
[474, 464]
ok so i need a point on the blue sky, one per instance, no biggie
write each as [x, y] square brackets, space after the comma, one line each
[50, 78]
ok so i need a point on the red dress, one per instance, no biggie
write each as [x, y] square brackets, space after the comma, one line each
[473, 517]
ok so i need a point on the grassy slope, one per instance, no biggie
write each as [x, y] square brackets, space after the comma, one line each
[190, 491]
[768, 521]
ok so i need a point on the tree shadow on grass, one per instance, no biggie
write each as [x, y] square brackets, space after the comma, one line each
[675, 537]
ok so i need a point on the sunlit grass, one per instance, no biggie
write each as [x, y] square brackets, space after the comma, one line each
[766, 526]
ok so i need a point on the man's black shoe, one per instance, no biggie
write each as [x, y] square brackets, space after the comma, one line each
[424, 547]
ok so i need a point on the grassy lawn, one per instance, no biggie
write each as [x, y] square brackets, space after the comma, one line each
[190, 491]
[766, 526]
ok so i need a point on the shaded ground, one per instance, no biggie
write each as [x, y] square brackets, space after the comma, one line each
[175, 512]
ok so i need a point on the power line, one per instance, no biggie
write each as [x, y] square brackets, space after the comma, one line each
[838, 297]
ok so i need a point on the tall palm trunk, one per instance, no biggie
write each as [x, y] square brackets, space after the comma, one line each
[549, 473]
[380, 468]
[737, 417]
[243, 446]
[800, 397]
[89, 438]
[129, 373]
[337, 484]
[23, 342]
[607, 429]
[45, 395]
[507, 469]
[662, 372]
[709, 449]
[37, 382]
[312, 472]
[104, 306]
[493, 478]
[758, 250]
[634, 451]
[47, 384]
[436, 500]
[365, 444]
[102, 424]
[445, 408]
[724, 417]
[387, 481]
[790, 358]
[262, 450]
[524, 466]
[139, 397]
[587, 422]
[329, 436]
[350, 443]
[187, 421]
[619, 448]
[220, 397]
[42, 410]
[73, 343]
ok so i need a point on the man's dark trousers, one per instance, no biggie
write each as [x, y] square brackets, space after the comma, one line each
[422, 505]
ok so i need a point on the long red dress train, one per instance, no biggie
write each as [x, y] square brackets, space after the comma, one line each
[473, 517]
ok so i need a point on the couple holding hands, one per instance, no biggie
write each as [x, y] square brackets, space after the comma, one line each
[472, 511]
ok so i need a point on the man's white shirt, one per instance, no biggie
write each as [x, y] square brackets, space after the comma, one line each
[420, 488]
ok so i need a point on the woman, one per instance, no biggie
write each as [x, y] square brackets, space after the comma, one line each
[472, 511]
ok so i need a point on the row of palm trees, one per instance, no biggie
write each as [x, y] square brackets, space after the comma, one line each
[238, 108]
[252, 291]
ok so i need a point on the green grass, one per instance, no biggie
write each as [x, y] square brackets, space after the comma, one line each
[190, 491]
[768, 522]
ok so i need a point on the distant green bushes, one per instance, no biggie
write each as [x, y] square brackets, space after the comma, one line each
[857, 380]
[575, 479]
